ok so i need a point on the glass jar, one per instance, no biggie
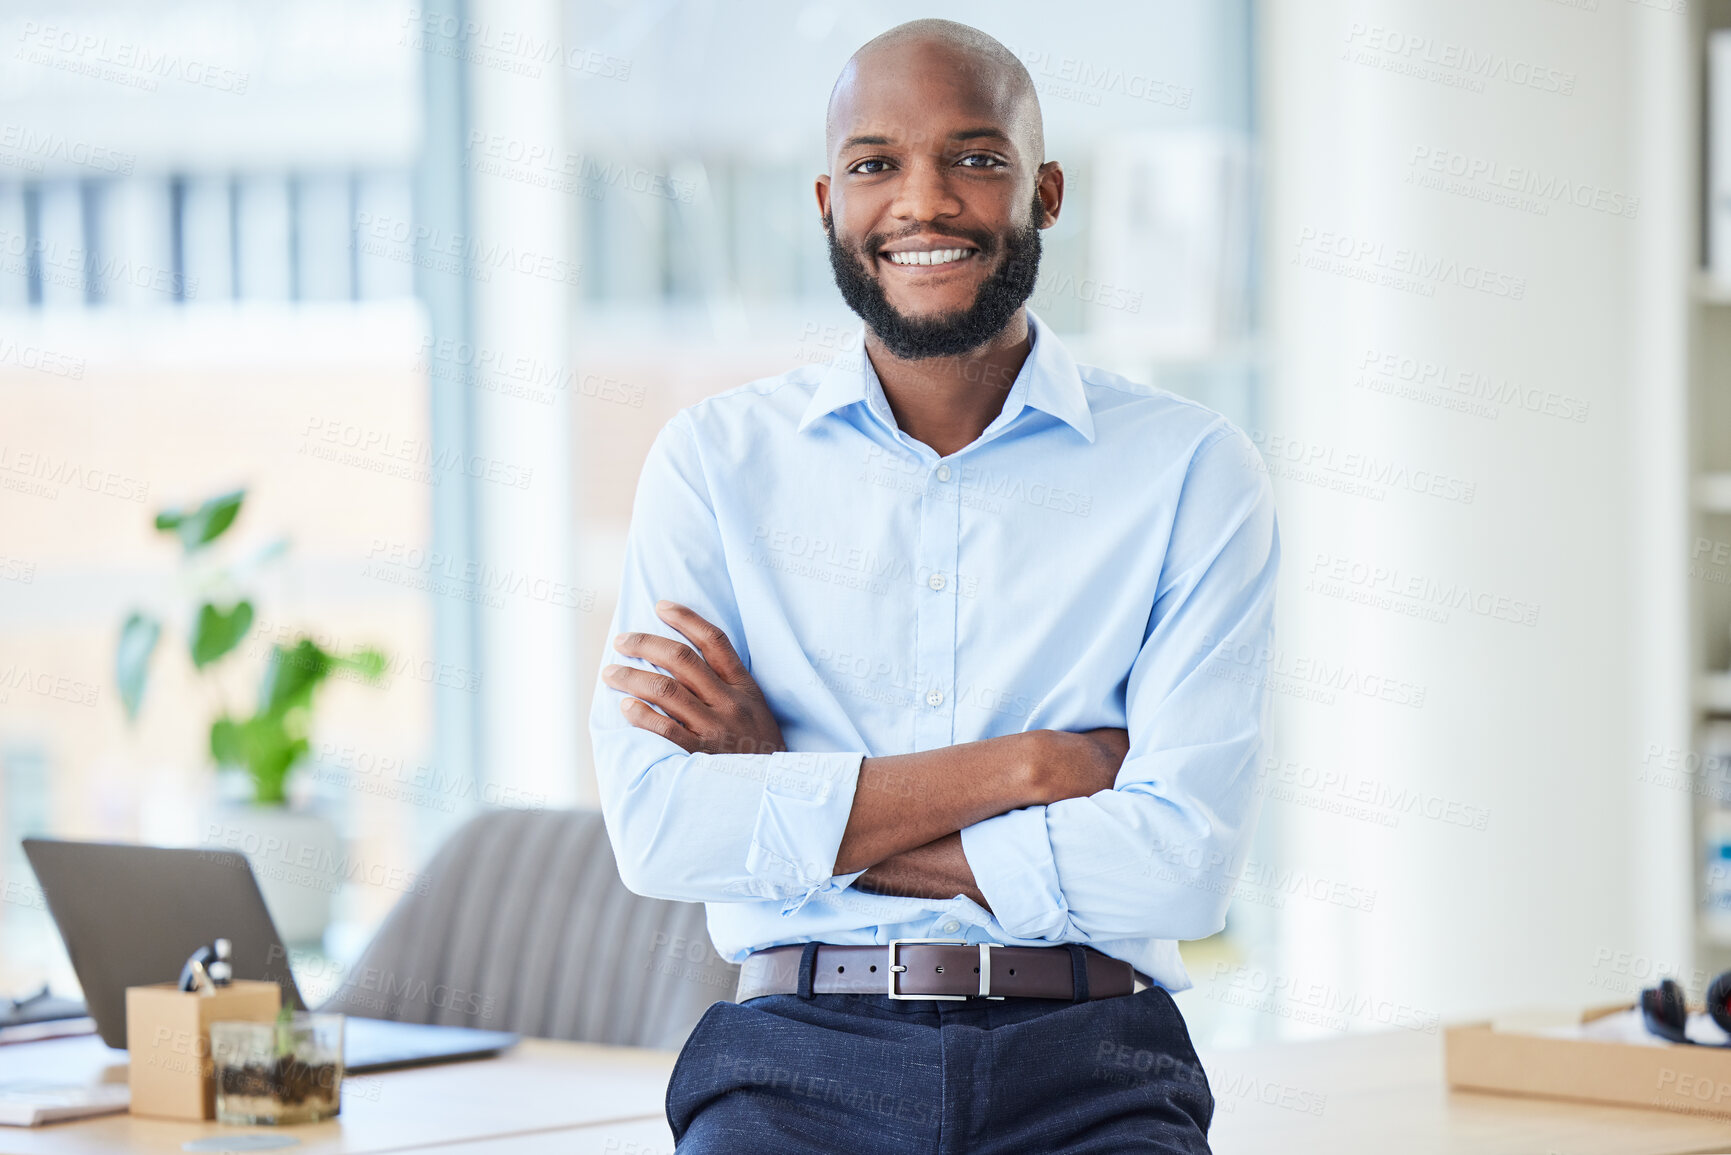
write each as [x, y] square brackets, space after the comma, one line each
[287, 1071]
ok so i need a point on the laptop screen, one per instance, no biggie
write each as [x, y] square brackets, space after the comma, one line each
[130, 915]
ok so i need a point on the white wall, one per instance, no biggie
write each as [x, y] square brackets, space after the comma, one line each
[531, 706]
[1541, 725]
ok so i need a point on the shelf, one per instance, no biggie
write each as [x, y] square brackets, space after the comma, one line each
[1713, 492]
[1715, 927]
[1713, 692]
[1710, 290]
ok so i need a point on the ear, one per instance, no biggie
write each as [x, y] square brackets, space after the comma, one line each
[822, 191]
[1049, 184]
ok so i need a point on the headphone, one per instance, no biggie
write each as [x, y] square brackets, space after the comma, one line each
[1665, 1012]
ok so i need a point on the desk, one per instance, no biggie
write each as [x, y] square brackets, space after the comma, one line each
[1373, 1094]
[1384, 1094]
[579, 1091]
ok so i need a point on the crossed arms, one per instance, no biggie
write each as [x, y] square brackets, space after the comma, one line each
[1067, 837]
[708, 702]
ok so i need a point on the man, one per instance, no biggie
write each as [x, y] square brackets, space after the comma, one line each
[958, 641]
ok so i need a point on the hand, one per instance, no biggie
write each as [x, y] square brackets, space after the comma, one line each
[711, 703]
[1075, 765]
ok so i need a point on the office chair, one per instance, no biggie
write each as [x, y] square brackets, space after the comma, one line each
[523, 925]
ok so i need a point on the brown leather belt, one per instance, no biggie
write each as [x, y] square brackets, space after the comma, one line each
[938, 969]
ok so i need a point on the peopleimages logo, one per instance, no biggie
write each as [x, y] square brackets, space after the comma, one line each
[1071, 77]
[1390, 587]
[1488, 179]
[1464, 389]
[319, 862]
[511, 49]
[42, 360]
[137, 65]
[1399, 267]
[40, 146]
[1374, 800]
[413, 458]
[1448, 62]
[1351, 472]
[1314, 678]
[53, 472]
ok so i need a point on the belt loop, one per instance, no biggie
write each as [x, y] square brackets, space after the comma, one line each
[1078, 971]
[807, 969]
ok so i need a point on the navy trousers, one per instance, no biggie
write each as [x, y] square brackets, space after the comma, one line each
[781, 1074]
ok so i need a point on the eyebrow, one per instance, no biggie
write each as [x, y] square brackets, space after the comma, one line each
[960, 134]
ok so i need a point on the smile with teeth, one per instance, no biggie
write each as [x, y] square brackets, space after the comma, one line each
[929, 257]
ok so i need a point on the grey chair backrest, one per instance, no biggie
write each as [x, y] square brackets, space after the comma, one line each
[523, 925]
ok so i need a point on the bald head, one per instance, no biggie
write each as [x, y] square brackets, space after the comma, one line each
[937, 190]
[979, 68]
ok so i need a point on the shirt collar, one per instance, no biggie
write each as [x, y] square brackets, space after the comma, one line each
[1048, 381]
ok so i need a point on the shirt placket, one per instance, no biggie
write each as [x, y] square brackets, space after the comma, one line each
[935, 596]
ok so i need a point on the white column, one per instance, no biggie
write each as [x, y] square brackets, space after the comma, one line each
[1662, 145]
[140, 242]
[263, 237]
[207, 240]
[531, 717]
[325, 229]
[1433, 709]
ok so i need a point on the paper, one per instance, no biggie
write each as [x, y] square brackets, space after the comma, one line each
[32, 1102]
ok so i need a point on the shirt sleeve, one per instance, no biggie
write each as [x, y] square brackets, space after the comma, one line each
[1155, 856]
[705, 827]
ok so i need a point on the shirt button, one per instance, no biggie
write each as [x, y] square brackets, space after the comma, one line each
[951, 927]
[934, 697]
[943, 473]
[936, 581]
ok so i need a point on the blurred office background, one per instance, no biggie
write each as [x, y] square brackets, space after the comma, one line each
[426, 280]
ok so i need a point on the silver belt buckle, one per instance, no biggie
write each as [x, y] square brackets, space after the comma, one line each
[986, 971]
[897, 968]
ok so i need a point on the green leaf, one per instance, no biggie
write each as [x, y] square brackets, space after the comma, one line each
[199, 527]
[132, 659]
[292, 676]
[215, 632]
[273, 741]
[368, 663]
[285, 1038]
[267, 746]
[274, 757]
[227, 742]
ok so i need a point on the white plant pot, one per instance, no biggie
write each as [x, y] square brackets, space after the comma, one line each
[296, 856]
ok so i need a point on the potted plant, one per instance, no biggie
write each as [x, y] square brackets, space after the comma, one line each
[296, 854]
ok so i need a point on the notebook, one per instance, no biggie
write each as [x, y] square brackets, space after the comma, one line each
[33, 1102]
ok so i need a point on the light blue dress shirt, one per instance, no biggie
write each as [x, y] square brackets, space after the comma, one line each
[1103, 554]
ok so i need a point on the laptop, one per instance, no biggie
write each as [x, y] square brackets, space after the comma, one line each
[130, 915]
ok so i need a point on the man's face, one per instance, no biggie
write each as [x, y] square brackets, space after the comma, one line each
[933, 210]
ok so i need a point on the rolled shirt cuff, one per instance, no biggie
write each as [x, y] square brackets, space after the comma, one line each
[1011, 857]
[807, 798]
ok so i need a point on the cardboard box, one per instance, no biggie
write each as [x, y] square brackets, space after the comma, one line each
[168, 1042]
[1671, 1077]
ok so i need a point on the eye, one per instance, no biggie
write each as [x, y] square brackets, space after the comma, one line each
[863, 166]
[987, 160]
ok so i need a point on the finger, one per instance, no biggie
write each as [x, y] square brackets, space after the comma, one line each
[659, 690]
[642, 716]
[676, 658]
[708, 637]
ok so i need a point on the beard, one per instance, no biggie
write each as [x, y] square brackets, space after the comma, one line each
[952, 334]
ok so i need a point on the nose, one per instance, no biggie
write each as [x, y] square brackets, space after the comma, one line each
[924, 193]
